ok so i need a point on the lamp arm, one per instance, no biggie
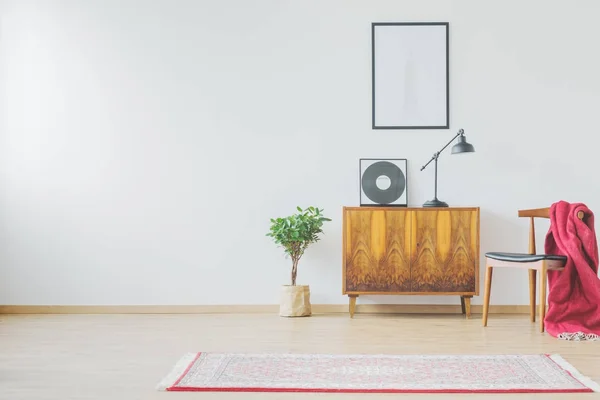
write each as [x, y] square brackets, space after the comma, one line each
[437, 154]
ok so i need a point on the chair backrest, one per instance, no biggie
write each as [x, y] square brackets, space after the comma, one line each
[538, 213]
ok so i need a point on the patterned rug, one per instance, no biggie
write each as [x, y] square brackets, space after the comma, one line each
[239, 372]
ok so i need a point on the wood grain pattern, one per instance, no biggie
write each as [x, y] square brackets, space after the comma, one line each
[445, 251]
[377, 251]
[410, 251]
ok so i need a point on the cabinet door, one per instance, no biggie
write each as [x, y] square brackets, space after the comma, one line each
[376, 251]
[445, 251]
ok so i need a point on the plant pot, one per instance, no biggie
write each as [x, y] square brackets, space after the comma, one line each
[295, 301]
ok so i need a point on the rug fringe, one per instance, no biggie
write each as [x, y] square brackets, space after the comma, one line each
[578, 336]
[564, 364]
[176, 372]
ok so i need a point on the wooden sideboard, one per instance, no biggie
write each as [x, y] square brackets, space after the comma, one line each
[411, 251]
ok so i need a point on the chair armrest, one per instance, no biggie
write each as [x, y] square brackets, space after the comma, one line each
[535, 212]
[543, 213]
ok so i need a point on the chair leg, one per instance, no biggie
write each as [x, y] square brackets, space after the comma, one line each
[488, 289]
[543, 284]
[532, 274]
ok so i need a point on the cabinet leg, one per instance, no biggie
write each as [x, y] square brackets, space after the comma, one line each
[352, 307]
[462, 305]
[467, 304]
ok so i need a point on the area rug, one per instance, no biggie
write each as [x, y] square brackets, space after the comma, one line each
[240, 372]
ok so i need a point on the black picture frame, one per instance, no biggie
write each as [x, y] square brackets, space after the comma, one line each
[374, 28]
[403, 168]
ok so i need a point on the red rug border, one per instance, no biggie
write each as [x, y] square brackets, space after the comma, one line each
[298, 390]
[185, 372]
[549, 356]
[175, 388]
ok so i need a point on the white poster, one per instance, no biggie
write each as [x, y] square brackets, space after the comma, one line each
[410, 75]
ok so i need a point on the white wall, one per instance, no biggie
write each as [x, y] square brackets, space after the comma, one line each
[145, 144]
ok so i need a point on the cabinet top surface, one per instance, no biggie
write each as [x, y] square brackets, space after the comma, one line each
[388, 208]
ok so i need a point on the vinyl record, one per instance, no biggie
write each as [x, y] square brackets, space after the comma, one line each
[393, 173]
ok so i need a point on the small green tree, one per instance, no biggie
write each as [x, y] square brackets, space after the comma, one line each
[296, 232]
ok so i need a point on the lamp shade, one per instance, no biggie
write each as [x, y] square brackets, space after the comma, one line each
[462, 146]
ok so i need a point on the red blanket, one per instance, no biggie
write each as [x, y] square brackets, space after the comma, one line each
[574, 294]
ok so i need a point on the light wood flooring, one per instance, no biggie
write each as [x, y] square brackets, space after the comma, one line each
[124, 356]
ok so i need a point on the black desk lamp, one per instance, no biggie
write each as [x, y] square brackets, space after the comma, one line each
[461, 147]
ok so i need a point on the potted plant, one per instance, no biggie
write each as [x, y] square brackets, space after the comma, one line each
[295, 233]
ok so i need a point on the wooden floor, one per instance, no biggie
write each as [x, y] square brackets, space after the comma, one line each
[124, 356]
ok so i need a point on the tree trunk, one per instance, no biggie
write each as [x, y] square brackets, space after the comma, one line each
[294, 271]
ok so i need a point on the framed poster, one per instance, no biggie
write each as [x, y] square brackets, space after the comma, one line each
[410, 75]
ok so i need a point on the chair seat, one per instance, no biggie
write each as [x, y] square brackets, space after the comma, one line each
[524, 258]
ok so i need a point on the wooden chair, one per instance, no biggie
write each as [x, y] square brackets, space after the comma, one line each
[532, 261]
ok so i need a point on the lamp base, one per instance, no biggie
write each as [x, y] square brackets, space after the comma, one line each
[435, 203]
